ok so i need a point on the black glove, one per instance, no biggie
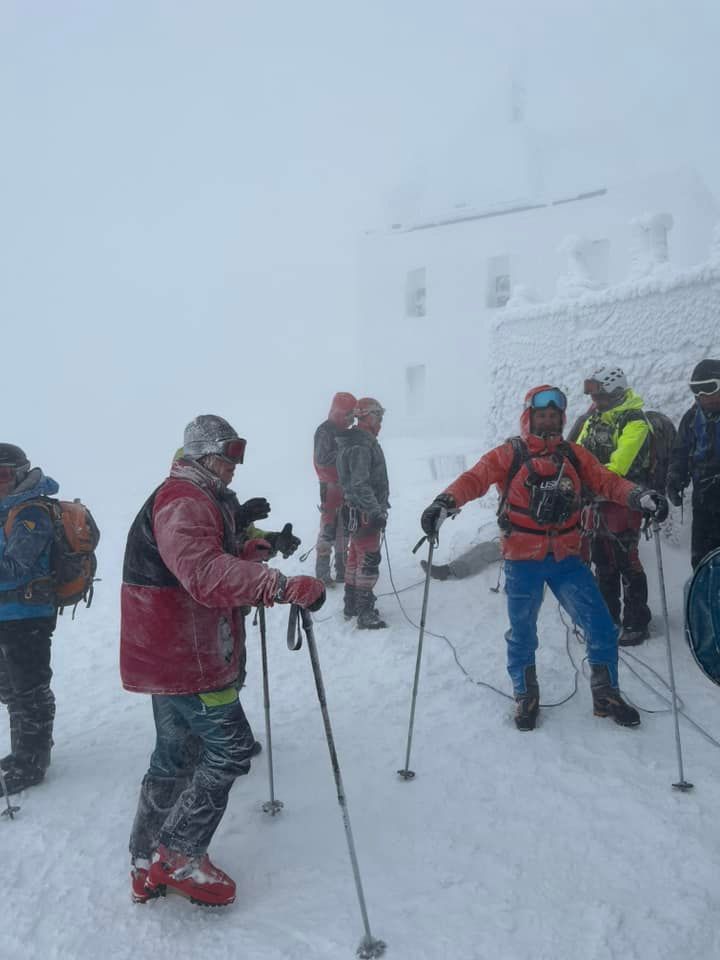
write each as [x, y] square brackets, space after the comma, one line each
[377, 521]
[435, 515]
[257, 508]
[650, 502]
[674, 493]
[284, 542]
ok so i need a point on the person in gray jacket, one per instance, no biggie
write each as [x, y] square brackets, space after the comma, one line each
[363, 476]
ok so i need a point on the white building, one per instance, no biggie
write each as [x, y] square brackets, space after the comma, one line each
[430, 291]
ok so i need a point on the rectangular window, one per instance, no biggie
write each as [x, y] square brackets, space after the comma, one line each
[498, 281]
[415, 389]
[415, 299]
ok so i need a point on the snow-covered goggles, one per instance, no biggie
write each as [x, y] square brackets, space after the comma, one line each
[233, 450]
[705, 388]
[553, 397]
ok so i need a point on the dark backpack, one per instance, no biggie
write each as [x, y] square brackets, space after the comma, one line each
[662, 433]
[72, 560]
[649, 469]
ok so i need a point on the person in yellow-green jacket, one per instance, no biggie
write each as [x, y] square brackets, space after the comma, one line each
[617, 432]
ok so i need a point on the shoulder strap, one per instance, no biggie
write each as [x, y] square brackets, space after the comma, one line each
[520, 454]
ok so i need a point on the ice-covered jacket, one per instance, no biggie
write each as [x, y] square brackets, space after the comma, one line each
[526, 539]
[696, 456]
[325, 451]
[363, 472]
[25, 556]
[181, 629]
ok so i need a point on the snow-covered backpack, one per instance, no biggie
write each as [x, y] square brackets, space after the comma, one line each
[72, 559]
[663, 434]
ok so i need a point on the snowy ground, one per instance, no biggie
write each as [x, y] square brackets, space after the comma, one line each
[563, 844]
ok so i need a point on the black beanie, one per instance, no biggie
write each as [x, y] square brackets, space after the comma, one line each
[706, 370]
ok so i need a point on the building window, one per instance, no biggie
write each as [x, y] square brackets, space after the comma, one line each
[415, 389]
[415, 298]
[498, 281]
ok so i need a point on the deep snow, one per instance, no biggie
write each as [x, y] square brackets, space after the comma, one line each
[560, 844]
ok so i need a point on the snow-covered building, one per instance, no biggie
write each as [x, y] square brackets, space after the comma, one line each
[432, 291]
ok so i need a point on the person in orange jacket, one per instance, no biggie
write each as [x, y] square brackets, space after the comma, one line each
[540, 477]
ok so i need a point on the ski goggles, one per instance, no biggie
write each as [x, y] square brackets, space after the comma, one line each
[553, 397]
[232, 450]
[361, 412]
[705, 388]
[593, 386]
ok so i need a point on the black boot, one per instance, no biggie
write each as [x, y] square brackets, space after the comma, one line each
[438, 571]
[322, 569]
[350, 608]
[631, 637]
[19, 776]
[368, 617]
[607, 701]
[528, 703]
[339, 571]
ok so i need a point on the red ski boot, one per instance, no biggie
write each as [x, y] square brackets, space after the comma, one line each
[138, 875]
[193, 877]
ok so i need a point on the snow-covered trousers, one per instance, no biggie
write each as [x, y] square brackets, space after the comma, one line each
[574, 586]
[619, 575]
[363, 562]
[202, 745]
[25, 676]
[333, 529]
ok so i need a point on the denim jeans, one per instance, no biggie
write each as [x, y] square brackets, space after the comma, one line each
[574, 586]
[203, 743]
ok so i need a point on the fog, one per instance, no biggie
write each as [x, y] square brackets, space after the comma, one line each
[183, 184]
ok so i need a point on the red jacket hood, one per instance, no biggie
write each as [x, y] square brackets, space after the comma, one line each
[342, 404]
[535, 443]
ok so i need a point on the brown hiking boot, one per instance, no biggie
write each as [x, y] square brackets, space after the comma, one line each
[607, 700]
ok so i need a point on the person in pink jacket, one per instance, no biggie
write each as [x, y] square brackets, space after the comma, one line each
[187, 586]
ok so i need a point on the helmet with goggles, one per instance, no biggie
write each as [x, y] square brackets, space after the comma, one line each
[705, 380]
[211, 435]
[14, 464]
[608, 380]
[367, 407]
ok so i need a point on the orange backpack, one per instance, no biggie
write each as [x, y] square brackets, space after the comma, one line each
[72, 561]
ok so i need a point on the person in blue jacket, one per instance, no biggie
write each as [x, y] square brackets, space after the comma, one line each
[28, 614]
[695, 459]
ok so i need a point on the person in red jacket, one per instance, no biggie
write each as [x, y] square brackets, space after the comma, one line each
[185, 593]
[540, 477]
[333, 519]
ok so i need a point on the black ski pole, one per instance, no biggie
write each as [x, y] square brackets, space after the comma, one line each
[272, 806]
[682, 783]
[369, 946]
[10, 809]
[406, 773]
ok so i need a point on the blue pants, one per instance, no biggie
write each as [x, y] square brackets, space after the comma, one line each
[200, 750]
[574, 586]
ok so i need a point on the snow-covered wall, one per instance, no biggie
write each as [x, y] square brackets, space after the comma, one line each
[656, 328]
